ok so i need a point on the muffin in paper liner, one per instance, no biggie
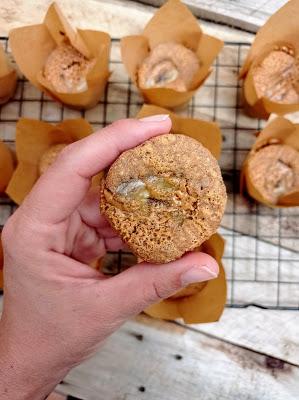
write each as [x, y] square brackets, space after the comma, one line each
[67, 64]
[271, 69]
[34, 139]
[8, 78]
[173, 29]
[6, 166]
[270, 172]
[207, 133]
[198, 303]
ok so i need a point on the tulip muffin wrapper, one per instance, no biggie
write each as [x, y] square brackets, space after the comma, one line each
[33, 138]
[8, 78]
[280, 30]
[173, 22]
[207, 133]
[31, 46]
[208, 303]
[278, 131]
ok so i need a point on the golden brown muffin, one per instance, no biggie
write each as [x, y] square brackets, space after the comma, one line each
[274, 171]
[277, 76]
[170, 65]
[49, 157]
[66, 69]
[164, 197]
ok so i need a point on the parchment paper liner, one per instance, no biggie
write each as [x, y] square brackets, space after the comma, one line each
[281, 29]
[31, 46]
[6, 166]
[205, 306]
[172, 22]
[1, 264]
[282, 131]
[33, 138]
[8, 78]
[207, 133]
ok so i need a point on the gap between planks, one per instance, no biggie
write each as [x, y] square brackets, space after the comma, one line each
[150, 359]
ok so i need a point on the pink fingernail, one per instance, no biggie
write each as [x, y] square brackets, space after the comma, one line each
[198, 274]
[155, 118]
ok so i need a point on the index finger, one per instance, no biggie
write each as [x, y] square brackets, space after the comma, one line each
[59, 191]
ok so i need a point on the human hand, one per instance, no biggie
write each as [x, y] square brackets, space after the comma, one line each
[58, 310]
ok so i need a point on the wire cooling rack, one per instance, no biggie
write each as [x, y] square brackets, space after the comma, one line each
[261, 257]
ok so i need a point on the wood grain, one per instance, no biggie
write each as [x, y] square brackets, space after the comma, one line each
[152, 360]
[245, 14]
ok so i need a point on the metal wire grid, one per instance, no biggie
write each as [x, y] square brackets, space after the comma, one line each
[261, 258]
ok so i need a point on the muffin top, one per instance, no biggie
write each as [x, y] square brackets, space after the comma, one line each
[274, 171]
[164, 197]
[276, 77]
[169, 65]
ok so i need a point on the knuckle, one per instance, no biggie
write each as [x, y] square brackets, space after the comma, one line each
[121, 124]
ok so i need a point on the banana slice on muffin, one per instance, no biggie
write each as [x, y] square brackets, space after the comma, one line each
[170, 65]
[164, 197]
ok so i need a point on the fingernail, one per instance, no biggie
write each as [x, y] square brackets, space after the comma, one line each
[198, 274]
[155, 118]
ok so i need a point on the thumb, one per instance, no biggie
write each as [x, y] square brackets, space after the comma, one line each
[138, 287]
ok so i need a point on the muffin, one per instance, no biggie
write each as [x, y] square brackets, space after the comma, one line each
[8, 77]
[270, 70]
[277, 77]
[38, 144]
[71, 65]
[171, 58]
[66, 69]
[274, 171]
[164, 197]
[169, 65]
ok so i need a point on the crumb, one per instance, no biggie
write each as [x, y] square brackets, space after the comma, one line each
[67, 69]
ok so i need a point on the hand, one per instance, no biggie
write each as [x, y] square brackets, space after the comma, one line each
[58, 310]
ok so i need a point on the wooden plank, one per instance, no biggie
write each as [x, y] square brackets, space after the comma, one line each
[275, 333]
[152, 360]
[118, 17]
[245, 14]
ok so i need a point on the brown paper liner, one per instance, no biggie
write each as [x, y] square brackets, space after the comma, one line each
[33, 138]
[173, 22]
[31, 46]
[1, 264]
[8, 78]
[282, 131]
[205, 306]
[6, 166]
[207, 133]
[281, 29]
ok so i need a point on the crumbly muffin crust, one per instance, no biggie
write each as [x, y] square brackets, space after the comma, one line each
[274, 171]
[67, 69]
[169, 65]
[277, 77]
[164, 197]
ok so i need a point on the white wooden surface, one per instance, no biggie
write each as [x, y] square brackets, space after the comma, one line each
[244, 14]
[143, 354]
[227, 360]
